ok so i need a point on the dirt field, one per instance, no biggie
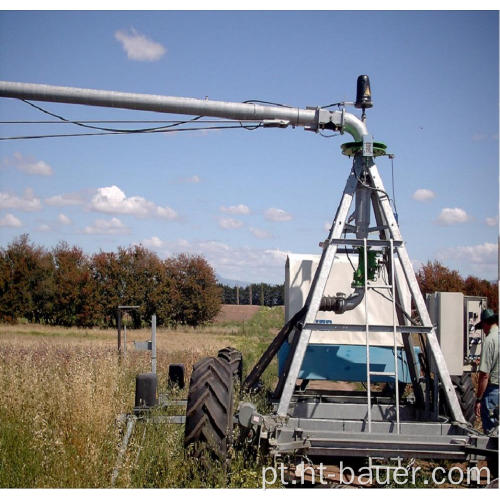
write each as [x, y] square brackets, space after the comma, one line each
[236, 313]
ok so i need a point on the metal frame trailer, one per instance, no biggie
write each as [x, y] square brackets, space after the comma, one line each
[329, 424]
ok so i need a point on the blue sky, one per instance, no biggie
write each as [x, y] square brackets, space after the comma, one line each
[245, 198]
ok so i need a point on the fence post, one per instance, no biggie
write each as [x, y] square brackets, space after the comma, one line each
[119, 326]
[153, 343]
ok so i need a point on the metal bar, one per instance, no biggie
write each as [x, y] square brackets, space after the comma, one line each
[175, 402]
[402, 319]
[125, 341]
[444, 375]
[286, 370]
[119, 328]
[131, 420]
[360, 242]
[332, 327]
[184, 105]
[382, 412]
[367, 338]
[318, 286]
[394, 334]
[153, 343]
[380, 452]
[166, 419]
[387, 374]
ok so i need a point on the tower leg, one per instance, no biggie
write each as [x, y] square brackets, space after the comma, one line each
[318, 286]
[440, 362]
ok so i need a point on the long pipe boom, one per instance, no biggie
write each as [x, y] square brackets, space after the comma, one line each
[182, 105]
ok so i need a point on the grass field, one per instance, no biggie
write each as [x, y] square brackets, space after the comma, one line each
[62, 389]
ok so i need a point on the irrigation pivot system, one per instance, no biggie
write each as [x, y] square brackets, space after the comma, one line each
[358, 293]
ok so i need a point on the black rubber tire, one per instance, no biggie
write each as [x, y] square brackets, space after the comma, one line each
[235, 360]
[209, 411]
[388, 390]
[466, 394]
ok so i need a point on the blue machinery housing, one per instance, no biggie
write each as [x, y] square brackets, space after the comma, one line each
[347, 363]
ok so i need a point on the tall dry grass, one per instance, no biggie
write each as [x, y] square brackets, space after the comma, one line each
[61, 391]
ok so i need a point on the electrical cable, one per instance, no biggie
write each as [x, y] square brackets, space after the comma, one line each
[332, 105]
[370, 187]
[59, 122]
[256, 101]
[327, 136]
[124, 132]
[109, 129]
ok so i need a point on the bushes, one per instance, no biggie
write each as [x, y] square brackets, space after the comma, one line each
[65, 287]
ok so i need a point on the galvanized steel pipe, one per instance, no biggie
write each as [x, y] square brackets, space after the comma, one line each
[178, 105]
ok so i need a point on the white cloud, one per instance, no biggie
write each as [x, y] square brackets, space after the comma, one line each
[64, 219]
[492, 221]
[229, 223]
[28, 203]
[450, 216]
[29, 165]
[112, 200]
[44, 227]
[481, 259]
[261, 234]
[277, 215]
[194, 179]
[103, 226]
[61, 200]
[423, 195]
[327, 226]
[10, 220]
[153, 242]
[241, 263]
[235, 209]
[139, 47]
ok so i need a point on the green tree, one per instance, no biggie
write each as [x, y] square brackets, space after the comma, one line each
[75, 291]
[198, 298]
[26, 281]
[434, 277]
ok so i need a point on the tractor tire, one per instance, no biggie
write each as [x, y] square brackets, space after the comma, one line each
[209, 411]
[466, 394]
[235, 360]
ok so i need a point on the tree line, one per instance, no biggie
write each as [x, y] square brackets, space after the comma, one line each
[258, 294]
[434, 277]
[64, 286]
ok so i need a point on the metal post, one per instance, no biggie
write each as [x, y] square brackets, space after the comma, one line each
[250, 295]
[124, 341]
[119, 327]
[153, 343]
[237, 295]
[131, 420]
[262, 294]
